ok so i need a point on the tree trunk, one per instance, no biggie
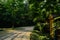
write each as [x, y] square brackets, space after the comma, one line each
[12, 25]
[51, 26]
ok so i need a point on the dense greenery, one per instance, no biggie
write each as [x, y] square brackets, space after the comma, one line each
[14, 13]
[41, 10]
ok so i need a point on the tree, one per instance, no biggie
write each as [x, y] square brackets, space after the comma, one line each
[41, 10]
[15, 12]
[11, 9]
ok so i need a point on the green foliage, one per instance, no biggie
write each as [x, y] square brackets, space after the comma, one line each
[14, 12]
[36, 35]
[41, 9]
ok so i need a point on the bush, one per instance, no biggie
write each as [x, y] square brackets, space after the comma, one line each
[35, 35]
[38, 36]
[40, 32]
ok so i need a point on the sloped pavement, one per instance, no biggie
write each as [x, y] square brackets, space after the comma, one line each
[21, 33]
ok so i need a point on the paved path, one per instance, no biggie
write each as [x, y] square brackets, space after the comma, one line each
[18, 34]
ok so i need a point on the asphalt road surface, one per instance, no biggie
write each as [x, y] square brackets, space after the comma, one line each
[23, 34]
